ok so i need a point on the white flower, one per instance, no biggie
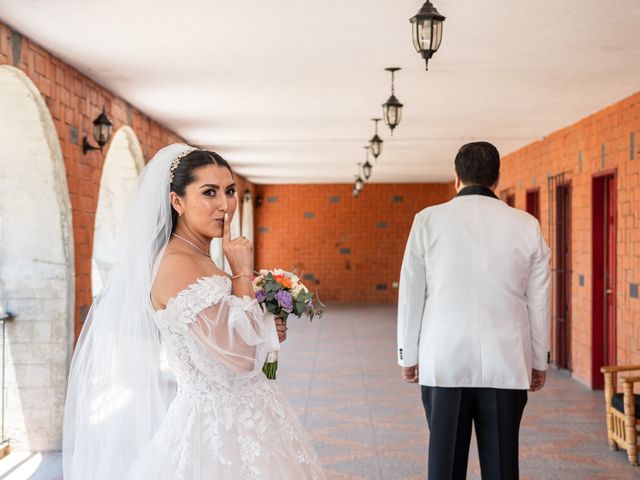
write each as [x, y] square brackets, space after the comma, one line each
[299, 288]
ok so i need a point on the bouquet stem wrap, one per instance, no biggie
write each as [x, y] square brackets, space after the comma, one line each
[271, 365]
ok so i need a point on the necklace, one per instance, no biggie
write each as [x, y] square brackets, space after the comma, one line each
[192, 244]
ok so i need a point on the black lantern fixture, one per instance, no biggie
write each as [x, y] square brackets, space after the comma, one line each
[367, 167]
[359, 182]
[392, 109]
[102, 127]
[376, 141]
[427, 31]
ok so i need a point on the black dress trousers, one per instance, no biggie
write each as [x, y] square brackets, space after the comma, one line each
[496, 415]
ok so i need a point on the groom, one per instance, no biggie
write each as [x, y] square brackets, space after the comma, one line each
[473, 319]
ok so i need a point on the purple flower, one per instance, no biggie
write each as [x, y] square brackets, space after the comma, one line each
[260, 295]
[285, 300]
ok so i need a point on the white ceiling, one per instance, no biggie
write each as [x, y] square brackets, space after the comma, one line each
[284, 89]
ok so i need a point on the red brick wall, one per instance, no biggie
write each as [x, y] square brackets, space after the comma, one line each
[352, 247]
[74, 101]
[578, 151]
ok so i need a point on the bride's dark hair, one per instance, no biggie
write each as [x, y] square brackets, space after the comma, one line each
[183, 175]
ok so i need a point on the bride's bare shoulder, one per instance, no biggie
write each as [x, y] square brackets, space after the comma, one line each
[177, 270]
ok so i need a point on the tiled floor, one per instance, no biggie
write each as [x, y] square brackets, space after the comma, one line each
[340, 374]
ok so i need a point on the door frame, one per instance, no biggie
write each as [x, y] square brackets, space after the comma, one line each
[563, 351]
[598, 298]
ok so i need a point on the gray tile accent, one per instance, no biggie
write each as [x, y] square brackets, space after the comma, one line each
[580, 162]
[334, 199]
[633, 290]
[263, 229]
[345, 251]
[581, 280]
[381, 225]
[632, 145]
[397, 199]
[84, 311]
[73, 135]
[309, 215]
[272, 199]
[16, 47]
[129, 114]
[381, 286]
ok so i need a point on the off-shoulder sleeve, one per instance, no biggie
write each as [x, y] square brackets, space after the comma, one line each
[235, 332]
[220, 327]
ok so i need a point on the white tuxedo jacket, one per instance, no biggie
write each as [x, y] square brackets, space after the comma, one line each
[473, 307]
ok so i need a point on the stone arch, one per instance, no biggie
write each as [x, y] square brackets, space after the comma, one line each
[123, 163]
[36, 265]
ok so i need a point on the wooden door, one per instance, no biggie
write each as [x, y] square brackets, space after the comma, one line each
[511, 199]
[563, 277]
[533, 203]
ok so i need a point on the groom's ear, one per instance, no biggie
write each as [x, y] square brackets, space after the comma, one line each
[495, 185]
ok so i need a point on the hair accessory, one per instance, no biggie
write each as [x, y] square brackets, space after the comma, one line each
[176, 162]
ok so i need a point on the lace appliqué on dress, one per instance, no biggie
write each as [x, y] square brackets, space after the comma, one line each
[243, 423]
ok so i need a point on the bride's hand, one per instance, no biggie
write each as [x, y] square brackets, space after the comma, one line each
[239, 251]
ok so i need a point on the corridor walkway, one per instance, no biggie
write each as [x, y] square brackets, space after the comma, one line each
[340, 374]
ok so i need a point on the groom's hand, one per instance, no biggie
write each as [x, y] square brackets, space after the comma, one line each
[538, 378]
[410, 374]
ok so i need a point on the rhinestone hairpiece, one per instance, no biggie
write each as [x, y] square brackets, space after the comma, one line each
[176, 162]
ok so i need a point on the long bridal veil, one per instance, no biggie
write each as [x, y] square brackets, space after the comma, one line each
[118, 393]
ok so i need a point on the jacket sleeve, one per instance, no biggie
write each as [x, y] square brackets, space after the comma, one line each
[538, 303]
[411, 295]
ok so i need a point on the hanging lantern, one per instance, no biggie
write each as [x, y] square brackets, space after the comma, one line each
[376, 141]
[392, 109]
[427, 31]
[102, 127]
[359, 182]
[367, 167]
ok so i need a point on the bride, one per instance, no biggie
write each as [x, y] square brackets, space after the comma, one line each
[166, 380]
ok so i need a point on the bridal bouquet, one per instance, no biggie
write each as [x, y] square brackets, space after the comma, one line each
[282, 294]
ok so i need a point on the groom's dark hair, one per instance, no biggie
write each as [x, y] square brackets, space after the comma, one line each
[478, 163]
[184, 174]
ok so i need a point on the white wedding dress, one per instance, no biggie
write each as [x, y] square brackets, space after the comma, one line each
[227, 421]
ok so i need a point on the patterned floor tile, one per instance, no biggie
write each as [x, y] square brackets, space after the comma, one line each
[340, 374]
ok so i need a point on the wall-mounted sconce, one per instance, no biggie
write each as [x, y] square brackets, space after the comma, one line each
[102, 127]
[259, 200]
